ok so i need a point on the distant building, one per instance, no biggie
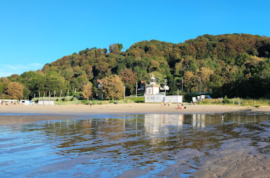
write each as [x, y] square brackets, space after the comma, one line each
[26, 102]
[153, 94]
[45, 102]
[152, 88]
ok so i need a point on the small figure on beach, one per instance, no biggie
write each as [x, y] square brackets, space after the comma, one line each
[170, 103]
[91, 103]
[181, 106]
[161, 104]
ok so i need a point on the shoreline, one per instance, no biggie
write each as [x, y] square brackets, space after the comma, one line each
[10, 115]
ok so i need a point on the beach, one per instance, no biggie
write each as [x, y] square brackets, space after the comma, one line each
[29, 114]
[135, 108]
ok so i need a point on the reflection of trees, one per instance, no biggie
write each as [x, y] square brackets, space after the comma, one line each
[146, 136]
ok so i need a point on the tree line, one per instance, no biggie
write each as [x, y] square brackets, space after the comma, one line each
[236, 65]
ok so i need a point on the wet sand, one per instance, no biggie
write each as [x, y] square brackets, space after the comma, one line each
[236, 158]
[27, 119]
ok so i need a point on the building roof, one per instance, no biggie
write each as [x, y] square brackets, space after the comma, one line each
[99, 81]
[153, 77]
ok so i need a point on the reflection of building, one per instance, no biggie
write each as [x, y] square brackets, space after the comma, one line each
[156, 124]
[198, 120]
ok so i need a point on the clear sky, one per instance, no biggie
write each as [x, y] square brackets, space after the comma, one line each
[36, 32]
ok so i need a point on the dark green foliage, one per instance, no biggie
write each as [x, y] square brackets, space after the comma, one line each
[138, 99]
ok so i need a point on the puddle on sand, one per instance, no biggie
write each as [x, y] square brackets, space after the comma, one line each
[151, 145]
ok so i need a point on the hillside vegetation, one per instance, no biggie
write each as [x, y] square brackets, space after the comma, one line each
[236, 65]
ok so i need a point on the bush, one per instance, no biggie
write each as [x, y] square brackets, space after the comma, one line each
[226, 100]
[86, 102]
[137, 100]
[74, 99]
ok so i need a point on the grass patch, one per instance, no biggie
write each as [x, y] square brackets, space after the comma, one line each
[58, 99]
[140, 99]
[67, 102]
[236, 102]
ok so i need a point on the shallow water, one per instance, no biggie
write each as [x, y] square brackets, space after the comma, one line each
[151, 145]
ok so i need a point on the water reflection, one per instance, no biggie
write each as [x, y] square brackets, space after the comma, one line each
[134, 145]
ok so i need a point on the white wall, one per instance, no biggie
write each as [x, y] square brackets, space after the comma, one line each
[24, 102]
[174, 99]
[159, 98]
[154, 98]
[156, 90]
[152, 90]
[45, 102]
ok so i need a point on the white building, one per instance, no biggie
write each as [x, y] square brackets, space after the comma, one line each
[25, 102]
[153, 95]
[152, 88]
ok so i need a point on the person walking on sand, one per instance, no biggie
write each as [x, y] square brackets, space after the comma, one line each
[91, 103]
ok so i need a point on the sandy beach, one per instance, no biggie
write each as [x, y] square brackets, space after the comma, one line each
[29, 114]
[123, 109]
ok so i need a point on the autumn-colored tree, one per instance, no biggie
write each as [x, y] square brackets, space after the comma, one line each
[15, 90]
[189, 50]
[4, 80]
[115, 48]
[89, 72]
[87, 91]
[112, 87]
[205, 74]
[187, 80]
[154, 65]
[129, 78]
[102, 68]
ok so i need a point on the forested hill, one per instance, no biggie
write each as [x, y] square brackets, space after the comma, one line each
[230, 64]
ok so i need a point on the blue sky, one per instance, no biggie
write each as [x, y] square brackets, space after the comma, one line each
[36, 32]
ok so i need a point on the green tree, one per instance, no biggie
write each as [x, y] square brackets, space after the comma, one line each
[54, 81]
